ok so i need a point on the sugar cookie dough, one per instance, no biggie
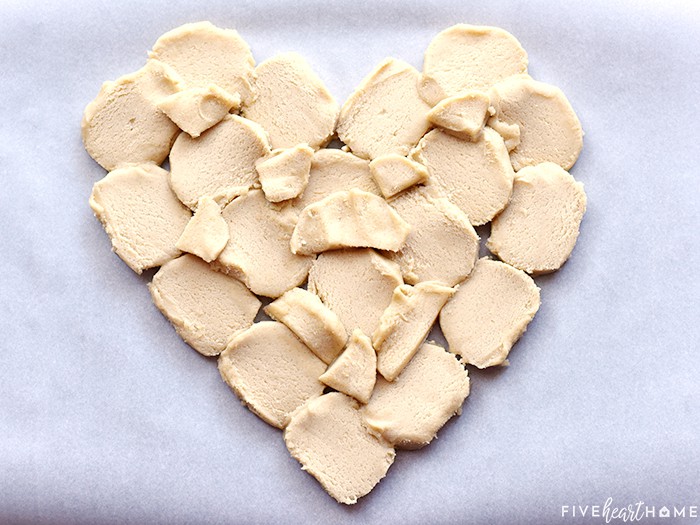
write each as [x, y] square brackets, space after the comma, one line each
[385, 114]
[207, 308]
[394, 173]
[475, 176]
[292, 103]
[405, 324]
[465, 57]
[271, 371]
[489, 313]
[315, 324]
[462, 115]
[142, 217]
[409, 411]
[195, 110]
[538, 230]
[285, 173]
[354, 372]
[328, 437]
[357, 284]
[123, 125]
[220, 164]
[206, 234]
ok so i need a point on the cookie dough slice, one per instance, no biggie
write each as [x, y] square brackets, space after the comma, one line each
[354, 372]
[409, 411]
[195, 110]
[538, 230]
[394, 173]
[271, 371]
[462, 115]
[385, 114]
[311, 321]
[330, 440]
[292, 103]
[207, 308]
[141, 215]
[206, 234]
[285, 173]
[405, 324]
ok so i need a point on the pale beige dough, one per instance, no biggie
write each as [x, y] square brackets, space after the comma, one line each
[258, 250]
[219, 164]
[357, 284]
[489, 313]
[394, 173]
[354, 372]
[271, 371]
[462, 115]
[206, 234]
[195, 110]
[405, 324]
[409, 412]
[330, 440]
[141, 215]
[465, 57]
[384, 114]
[292, 103]
[123, 125]
[285, 173]
[207, 308]
[475, 176]
[315, 324]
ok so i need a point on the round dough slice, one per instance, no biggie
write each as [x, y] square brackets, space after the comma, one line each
[207, 308]
[538, 230]
[141, 215]
[354, 372]
[220, 163]
[489, 313]
[292, 103]
[206, 234]
[465, 57]
[271, 371]
[475, 176]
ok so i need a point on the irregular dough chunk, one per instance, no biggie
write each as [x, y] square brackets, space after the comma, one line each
[489, 312]
[258, 250]
[349, 219]
[409, 412]
[271, 371]
[356, 284]
[385, 114]
[206, 234]
[207, 308]
[123, 125]
[549, 130]
[405, 324]
[354, 372]
[141, 215]
[195, 110]
[292, 103]
[285, 173]
[463, 115]
[394, 173]
[311, 321]
[220, 164]
[538, 230]
[328, 437]
[465, 57]
[475, 176]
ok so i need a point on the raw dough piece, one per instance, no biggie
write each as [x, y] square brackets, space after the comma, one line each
[354, 219]
[219, 164]
[271, 371]
[431, 389]
[405, 323]
[509, 132]
[142, 217]
[463, 115]
[292, 103]
[328, 437]
[285, 173]
[356, 284]
[538, 230]
[465, 57]
[311, 321]
[385, 114]
[207, 308]
[195, 110]
[476, 176]
[204, 54]
[354, 372]
[206, 234]
[394, 173]
[549, 129]
[123, 125]
[442, 245]
[489, 312]
[258, 250]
